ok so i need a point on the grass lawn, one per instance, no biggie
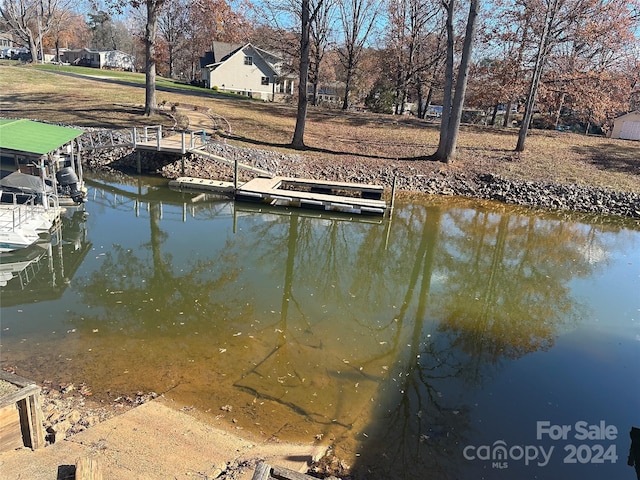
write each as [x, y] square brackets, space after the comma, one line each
[89, 97]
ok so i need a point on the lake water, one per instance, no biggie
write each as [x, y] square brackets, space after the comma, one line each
[464, 339]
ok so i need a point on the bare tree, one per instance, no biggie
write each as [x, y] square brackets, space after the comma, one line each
[413, 23]
[551, 9]
[305, 49]
[152, 10]
[320, 33]
[453, 102]
[68, 30]
[30, 20]
[579, 30]
[173, 24]
[357, 18]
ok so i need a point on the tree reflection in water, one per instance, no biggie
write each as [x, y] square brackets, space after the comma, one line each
[371, 340]
[502, 293]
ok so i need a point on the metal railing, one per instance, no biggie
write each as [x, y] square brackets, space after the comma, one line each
[28, 208]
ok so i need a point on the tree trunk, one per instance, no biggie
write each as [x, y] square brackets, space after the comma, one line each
[314, 94]
[303, 101]
[452, 108]
[151, 30]
[541, 57]
[461, 83]
[33, 48]
[494, 115]
[420, 100]
[347, 87]
[559, 112]
[171, 60]
[448, 86]
[507, 114]
[427, 102]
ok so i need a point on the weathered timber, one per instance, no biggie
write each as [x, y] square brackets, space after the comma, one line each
[27, 402]
[10, 433]
[199, 184]
[88, 468]
[262, 472]
[265, 471]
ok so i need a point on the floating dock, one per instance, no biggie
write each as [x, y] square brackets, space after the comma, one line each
[200, 184]
[346, 197]
[316, 194]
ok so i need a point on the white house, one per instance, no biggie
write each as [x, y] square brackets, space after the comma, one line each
[245, 70]
[99, 58]
[627, 127]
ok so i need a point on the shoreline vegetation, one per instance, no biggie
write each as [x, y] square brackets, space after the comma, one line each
[558, 171]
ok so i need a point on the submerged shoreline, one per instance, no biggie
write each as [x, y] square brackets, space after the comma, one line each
[411, 176]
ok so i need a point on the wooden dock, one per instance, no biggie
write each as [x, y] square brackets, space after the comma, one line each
[344, 197]
[315, 194]
[202, 184]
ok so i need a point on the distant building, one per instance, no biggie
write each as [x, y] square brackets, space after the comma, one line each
[246, 70]
[85, 57]
[6, 40]
[627, 126]
[328, 93]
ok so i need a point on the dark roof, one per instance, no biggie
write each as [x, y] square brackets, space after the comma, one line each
[219, 52]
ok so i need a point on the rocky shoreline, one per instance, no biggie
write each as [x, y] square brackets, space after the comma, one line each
[411, 176]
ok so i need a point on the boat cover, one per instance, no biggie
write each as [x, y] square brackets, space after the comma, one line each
[23, 182]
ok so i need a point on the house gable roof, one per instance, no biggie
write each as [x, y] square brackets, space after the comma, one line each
[629, 114]
[34, 137]
[220, 51]
[223, 51]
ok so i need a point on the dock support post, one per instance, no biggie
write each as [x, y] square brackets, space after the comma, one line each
[182, 164]
[183, 147]
[134, 137]
[235, 174]
[158, 136]
[393, 195]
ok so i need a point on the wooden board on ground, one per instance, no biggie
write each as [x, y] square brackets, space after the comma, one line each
[88, 468]
[265, 471]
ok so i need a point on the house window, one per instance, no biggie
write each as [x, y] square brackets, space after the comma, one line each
[248, 60]
[264, 81]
